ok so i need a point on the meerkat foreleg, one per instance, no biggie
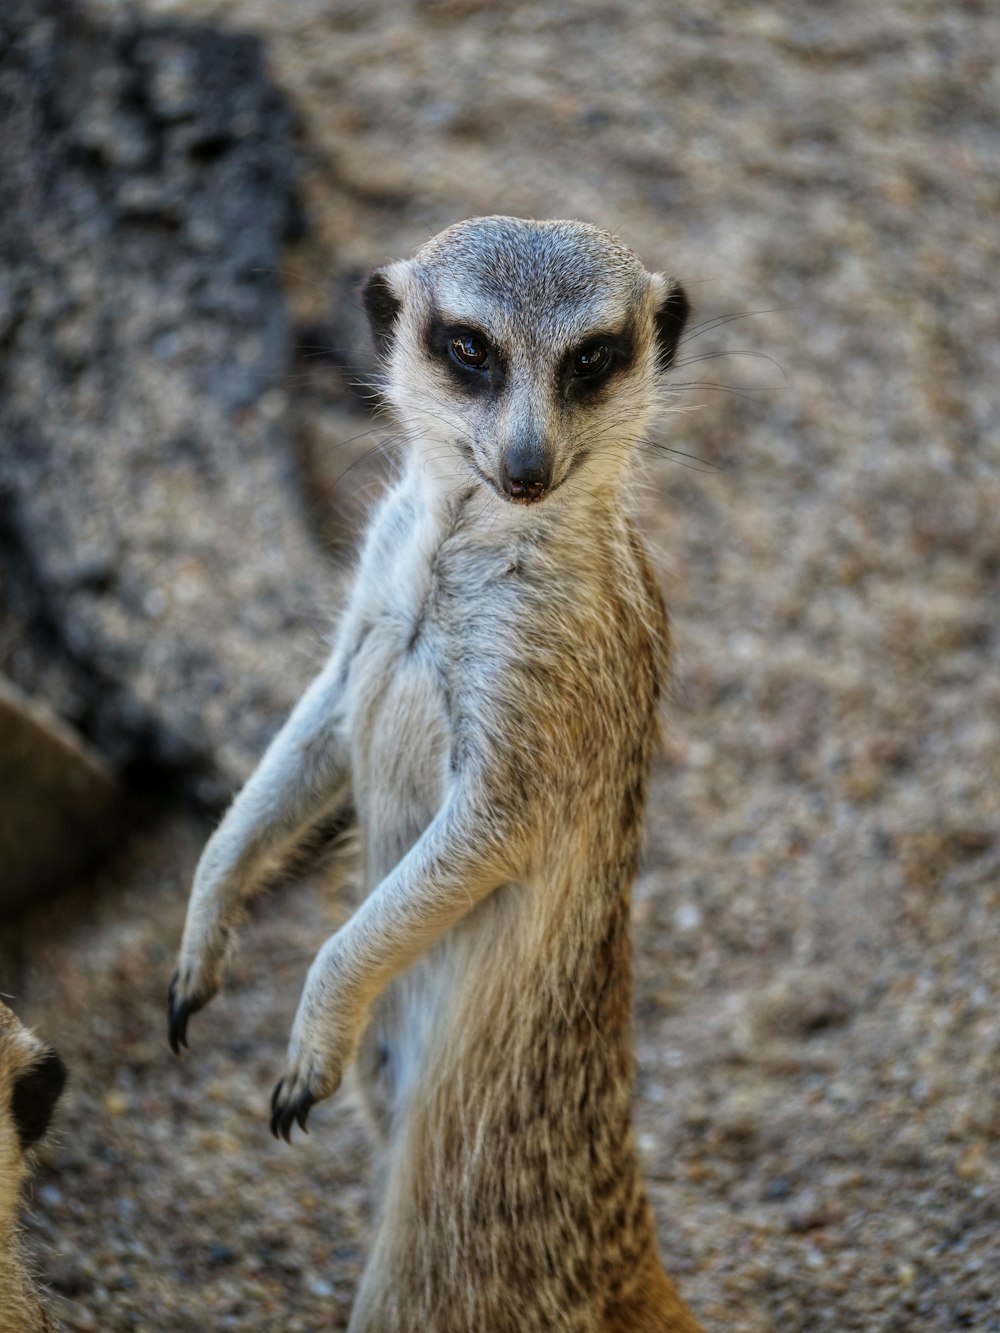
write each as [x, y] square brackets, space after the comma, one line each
[460, 858]
[304, 772]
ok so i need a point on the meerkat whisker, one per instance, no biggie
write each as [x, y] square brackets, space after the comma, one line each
[719, 321]
[736, 351]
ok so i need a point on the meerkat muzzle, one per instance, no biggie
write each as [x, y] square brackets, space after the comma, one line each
[526, 473]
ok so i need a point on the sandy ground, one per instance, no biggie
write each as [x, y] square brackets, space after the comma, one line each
[818, 960]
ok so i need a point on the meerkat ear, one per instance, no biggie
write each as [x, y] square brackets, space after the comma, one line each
[382, 305]
[35, 1094]
[670, 318]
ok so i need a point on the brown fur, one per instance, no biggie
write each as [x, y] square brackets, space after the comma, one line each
[654, 1307]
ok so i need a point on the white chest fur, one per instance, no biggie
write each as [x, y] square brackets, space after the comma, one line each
[396, 697]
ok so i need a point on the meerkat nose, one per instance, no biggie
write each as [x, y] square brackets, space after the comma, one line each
[525, 490]
[526, 472]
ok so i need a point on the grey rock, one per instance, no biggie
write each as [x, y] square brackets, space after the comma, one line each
[158, 584]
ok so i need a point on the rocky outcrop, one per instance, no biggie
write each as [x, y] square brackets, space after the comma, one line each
[158, 585]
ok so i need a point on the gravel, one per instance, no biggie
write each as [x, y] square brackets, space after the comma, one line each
[817, 955]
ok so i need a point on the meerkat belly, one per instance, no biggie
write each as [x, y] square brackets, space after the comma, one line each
[401, 745]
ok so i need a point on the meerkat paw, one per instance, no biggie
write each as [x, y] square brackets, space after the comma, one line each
[324, 1039]
[190, 990]
[297, 1092]
[309, 1078]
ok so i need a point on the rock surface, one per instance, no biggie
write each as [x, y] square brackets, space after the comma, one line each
[158, 585]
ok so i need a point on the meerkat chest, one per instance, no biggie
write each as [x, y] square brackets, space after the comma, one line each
[397, 696]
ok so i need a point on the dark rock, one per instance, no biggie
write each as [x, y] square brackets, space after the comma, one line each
[158, 585]
[60, 807]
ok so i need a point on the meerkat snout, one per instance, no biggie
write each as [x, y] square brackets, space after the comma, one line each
[526, 469]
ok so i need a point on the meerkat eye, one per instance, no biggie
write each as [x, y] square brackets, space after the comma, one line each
[592, 360]
[469, 351]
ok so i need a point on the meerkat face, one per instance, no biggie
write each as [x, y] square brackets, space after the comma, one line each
[527, 354]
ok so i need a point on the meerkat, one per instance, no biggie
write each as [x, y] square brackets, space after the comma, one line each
[32, 1077]
[490, 706]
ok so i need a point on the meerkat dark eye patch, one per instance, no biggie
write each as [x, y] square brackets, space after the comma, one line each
[670, 320]
[591, 363]
[466, 353]
[593, 359]
[34, 1097]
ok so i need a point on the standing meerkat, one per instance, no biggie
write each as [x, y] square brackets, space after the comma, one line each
[490, 705]
[31, 1080]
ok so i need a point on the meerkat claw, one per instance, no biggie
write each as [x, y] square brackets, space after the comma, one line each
[305, 1104]
[275, 1095]
[286, 1113]
[179, 1011]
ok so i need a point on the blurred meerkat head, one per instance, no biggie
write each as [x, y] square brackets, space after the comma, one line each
[527, 354]
[31, 1080]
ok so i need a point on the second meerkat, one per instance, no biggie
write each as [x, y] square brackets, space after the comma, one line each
[490, 705]
[32, 1078]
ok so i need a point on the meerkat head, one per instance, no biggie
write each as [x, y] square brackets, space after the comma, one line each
[31, 1080]
[524, 353]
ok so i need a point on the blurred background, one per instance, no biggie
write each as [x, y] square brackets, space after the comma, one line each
[189, 192]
